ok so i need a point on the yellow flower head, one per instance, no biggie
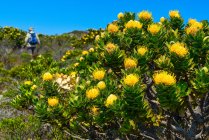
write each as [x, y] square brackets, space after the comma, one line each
[63, 59]
[133, 24]
[34, 87]
[95, 110]
[101, 85]
[110, 47]
[174, 14]
[92, 93]
[85, 52]
[76, 64]
[164, 77]
[73, 74]
[110, 100]
[28, 83]
[98, 74]
[81, 58]
[145, 15]
[179, 49]
[194, 27]
[112, 28]
[162, 19]
[154, 29]
[91, 50]
[131, 79]
[120, 15]
[97, 37]
[142, 50]
[130, 63]
[47, 76]
[53, 101]
[192, 21]
[68, 52]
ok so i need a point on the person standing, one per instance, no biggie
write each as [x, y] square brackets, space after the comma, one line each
[31, 41]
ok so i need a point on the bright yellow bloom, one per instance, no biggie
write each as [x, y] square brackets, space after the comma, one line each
[34, 87]
[130, 63]
[110, 100]
[192, 21]
[101, 85]
[162, 19]
[131, 122]
[91, 50]
[194, 27]
[73, 74]
[179, 49]
[63, 60]
[154, 29]
[47, 76]
[174, 14]
[120, 15]
[68, 52]
[131, 79]
[27, 82]
[110, 47]
[133, 24]
[81, 59]
[145, 15]
[164, 77]
[95, 110]
[85, 52]
[92, 93]
[76, 64]
[97, 37]
[142, 50]
[98, 74]
[53, 101]
[112, 28]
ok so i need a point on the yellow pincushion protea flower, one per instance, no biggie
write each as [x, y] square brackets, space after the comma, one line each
[112, 28]
[110, 47]
[163, 77]
[179, 49]
[76, 64]
[53, 101]
[162, 19]
[101, 85]
[99, 74]
[91, 50]
[73, 74]
[131, 79]
[133, 24]
[85, 52]
[142, 50]
[27, 83]
[68, 52]
[97, 37]
[130, 63]
[34, 87]
[95, 110]
[81, 58]
[194, 27]
[174, 14]
[120, 15]
[47, 76]
[192, 21]
[146, 15]
[110, 100]
[92, 93]
[154, 28]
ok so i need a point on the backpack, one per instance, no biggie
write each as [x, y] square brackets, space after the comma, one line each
[33, 39]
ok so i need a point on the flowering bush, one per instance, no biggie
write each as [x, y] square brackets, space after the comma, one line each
[141, 79]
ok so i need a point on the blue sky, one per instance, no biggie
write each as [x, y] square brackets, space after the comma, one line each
[60, 16]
